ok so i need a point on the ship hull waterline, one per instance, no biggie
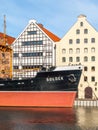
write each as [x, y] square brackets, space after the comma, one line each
[37, 99]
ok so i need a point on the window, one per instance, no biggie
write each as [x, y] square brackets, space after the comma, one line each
[63, 59]
[15, 54]
[70, 59]
[92, 40]
[85, 78]
[93, 78]
[93, 68]
[85, 68]
[78, 50]
[3, 55]
[70, 51]
[28, 43]
[93, 58]
[85, 58]
[32, 32]
[85, 31]
[85, 40]
[63, 50]
[77, 59]
[77, 31]
[70, 41]
[32, 54]
[85, 50]
[81, 24]
[15, 67]
[77, 40]
[92, 49]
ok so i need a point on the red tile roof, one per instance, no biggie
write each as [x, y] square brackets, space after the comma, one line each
[50, 34]
[10, 39]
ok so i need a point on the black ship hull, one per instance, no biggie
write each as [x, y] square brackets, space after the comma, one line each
[58, 80]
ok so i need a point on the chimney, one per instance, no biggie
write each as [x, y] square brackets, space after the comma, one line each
[40, 25]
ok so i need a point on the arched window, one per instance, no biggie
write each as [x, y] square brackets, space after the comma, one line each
[78, 50]
[85, 50]
[93, 49]
[70, 51]
[63, 50]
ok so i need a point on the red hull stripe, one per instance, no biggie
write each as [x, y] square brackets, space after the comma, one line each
[37, 99]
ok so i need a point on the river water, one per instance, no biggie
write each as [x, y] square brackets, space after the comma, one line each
[78, 118]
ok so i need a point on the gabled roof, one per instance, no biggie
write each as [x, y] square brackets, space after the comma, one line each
[50, 34]
[10, 39]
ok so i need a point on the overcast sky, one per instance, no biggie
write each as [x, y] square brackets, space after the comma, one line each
[58, 16]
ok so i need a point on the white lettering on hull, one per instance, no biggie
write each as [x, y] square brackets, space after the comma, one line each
[51, 79]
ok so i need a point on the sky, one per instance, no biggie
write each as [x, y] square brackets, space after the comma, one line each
[58, 16]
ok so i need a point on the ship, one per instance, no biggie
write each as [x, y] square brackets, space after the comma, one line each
[53, 87]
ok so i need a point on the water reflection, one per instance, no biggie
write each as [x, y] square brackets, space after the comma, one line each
[12, 118]
[87, 117]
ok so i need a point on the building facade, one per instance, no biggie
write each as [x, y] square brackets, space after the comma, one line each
[80, 46]
[32, 50]
[5, 56]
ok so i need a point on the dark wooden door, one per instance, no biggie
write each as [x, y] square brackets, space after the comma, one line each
[88, 92]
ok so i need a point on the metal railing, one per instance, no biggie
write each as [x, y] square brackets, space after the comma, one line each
[86, 102]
